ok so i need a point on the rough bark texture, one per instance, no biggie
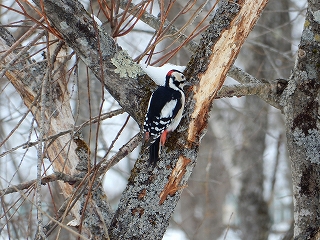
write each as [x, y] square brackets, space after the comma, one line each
[27, 80]
[215, 51]
[152, 194]
[301, 108]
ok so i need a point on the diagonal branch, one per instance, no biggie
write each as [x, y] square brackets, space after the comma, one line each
[152, 193]
[47, 179]
[27, 78]
[240, 90]
[110, 64]
[215, 62]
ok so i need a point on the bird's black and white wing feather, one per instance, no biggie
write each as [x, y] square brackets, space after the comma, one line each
[161, 113]
[164, 113]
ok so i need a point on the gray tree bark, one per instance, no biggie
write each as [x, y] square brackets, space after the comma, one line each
[147, 198]
[301, 109]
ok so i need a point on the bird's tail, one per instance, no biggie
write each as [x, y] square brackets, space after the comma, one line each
[154, 152]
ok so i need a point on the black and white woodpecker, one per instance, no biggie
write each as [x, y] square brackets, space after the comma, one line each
[164, 113]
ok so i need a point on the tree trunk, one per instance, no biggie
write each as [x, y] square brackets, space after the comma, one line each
[152, 194]
[253, 208]
[202, 204]
[301, 109]
[145, 190]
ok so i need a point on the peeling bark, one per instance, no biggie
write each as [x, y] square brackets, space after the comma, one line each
[175, 178]
[140, 214]
[217, 52]
[27, 78]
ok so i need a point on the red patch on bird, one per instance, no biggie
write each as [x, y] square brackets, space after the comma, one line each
[170, 72]
[146, 136]
[163, 137]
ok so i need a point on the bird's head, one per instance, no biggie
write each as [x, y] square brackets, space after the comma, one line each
[176, 79]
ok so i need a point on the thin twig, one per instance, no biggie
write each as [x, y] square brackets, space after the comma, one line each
[271, 49]
[20, 40]
[71, 130]
[23, 51]
[123, 151]
[225, 235]
[43, 125]
[51, 218]
[276, 165]
[234, 72]
[116, 138]
[44, 180]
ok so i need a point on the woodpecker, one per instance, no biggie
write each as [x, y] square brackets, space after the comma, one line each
[164, 113]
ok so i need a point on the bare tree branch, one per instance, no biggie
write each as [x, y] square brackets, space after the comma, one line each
[259, 89]
[69, 131]
[123, 152]
[27, 78]
[146, 190]
[214, 69]
[47, 179]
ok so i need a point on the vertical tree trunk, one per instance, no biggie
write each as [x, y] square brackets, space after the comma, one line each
[301, 108]
[202, 204]
[253, 209]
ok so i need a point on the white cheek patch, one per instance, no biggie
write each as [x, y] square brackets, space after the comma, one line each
[167, 110]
